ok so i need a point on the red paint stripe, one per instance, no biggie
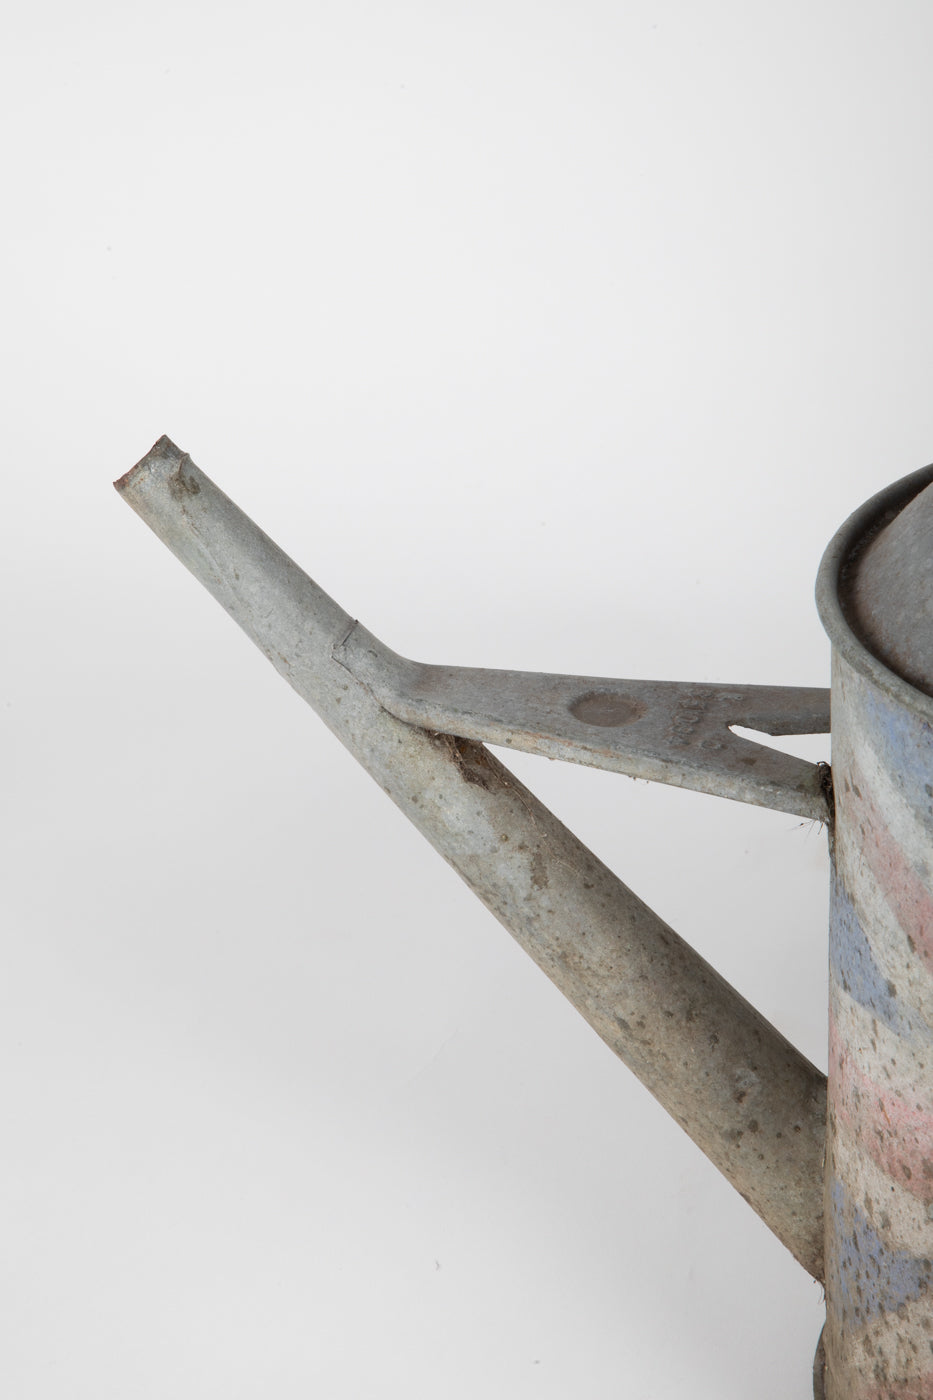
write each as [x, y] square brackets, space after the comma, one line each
[904, 891]
[897, 1133]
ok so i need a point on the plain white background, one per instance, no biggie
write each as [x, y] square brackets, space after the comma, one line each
[544, 335]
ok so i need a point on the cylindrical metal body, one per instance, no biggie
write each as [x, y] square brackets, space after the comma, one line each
[879, 1159]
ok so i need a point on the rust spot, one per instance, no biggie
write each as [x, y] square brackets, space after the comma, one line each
[472, 761]
[539, 876]
[180, 485]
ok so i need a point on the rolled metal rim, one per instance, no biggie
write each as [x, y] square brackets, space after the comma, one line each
[840, 559]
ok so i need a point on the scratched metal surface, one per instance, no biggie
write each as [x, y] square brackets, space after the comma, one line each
[748, 1098]
[673, 732]
[879, 1208]
[879, 1168]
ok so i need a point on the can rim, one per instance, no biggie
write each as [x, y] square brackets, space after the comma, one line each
[839, 561]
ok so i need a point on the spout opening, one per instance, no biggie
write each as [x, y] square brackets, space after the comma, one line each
[163, 453]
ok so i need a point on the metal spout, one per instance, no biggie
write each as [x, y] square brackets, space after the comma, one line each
[746, 1096]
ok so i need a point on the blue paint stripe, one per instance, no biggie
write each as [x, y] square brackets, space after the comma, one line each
[853, 968]
[873, 1278]
[902, 741]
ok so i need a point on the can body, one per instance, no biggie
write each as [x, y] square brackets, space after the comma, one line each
[879, 1167]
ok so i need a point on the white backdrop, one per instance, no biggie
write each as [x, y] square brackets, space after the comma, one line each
[549, 336]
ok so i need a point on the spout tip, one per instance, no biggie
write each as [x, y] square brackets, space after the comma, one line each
[162, 453]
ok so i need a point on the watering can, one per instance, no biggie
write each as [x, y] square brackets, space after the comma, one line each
[841, 1170]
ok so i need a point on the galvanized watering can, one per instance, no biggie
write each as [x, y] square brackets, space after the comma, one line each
[841, 1171]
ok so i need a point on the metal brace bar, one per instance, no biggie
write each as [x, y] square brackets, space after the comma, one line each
[673, 732]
